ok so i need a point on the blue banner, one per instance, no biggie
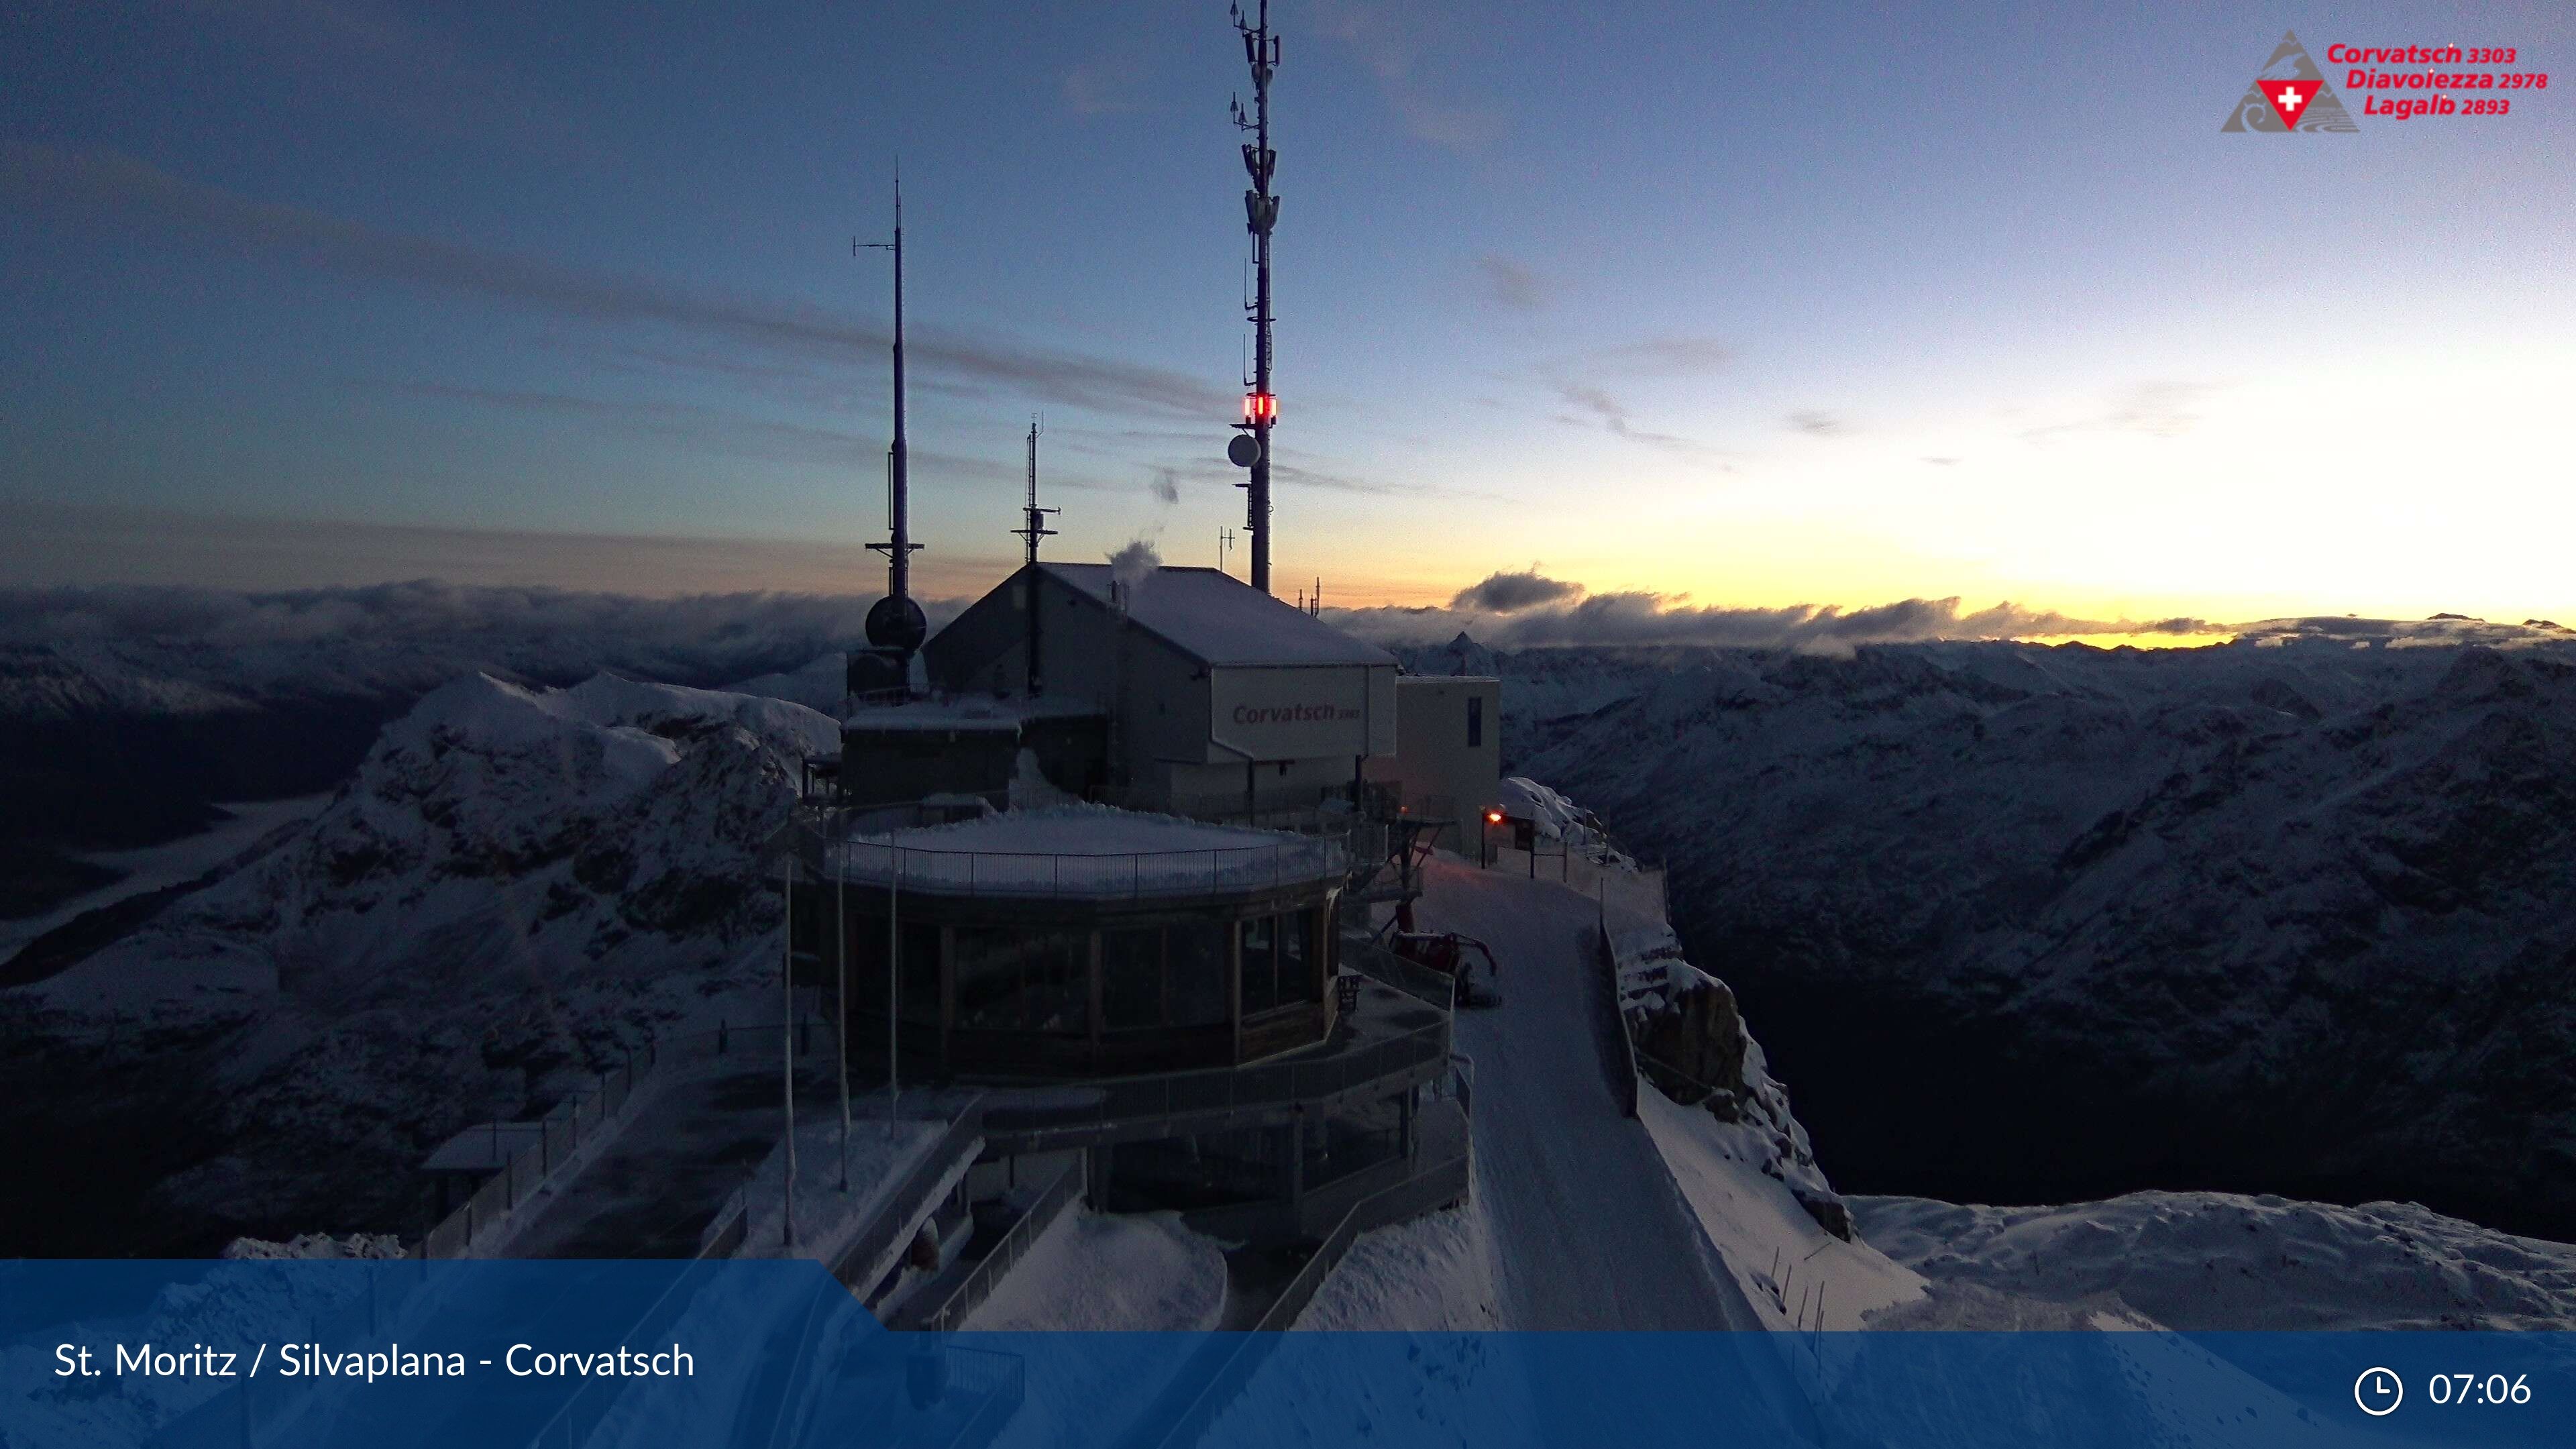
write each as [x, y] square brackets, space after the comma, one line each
[387, 1355]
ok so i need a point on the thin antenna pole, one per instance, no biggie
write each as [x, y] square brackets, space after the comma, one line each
[1261, 214]
[899, 456]
[787, 1039]
[894, 953]
[1033, 518]
[1033, 528]
[841, 997]
[896, 624]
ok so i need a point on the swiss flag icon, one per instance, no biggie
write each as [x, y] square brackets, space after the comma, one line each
[2289, 98]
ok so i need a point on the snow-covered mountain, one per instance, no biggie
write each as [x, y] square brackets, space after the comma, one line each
[126, 713]
[517, 885]
[2218, 1262]
[2030, 923]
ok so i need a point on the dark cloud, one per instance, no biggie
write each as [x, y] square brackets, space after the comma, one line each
[1646, 618]
[695, 637]
[1511, 284]
[1505, 593]
[718, 430]
[1816, 424]
[1942, 462]
[116, 189]
[1166, 486]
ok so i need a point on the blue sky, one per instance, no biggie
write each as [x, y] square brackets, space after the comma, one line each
[1756, 306]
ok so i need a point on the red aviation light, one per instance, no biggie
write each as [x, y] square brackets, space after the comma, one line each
[1260, 407]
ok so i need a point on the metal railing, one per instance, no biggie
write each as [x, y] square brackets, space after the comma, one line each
[1620, 1060]
[1238, 1355]
[584, 1115]
[858, 1266]
[1615, 884]
[574, 1120]
[1088, 1112]
[1383, 966]
[1133, 875]
[978, 1286]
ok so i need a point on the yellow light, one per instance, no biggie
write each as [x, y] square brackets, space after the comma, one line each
[1493, 817]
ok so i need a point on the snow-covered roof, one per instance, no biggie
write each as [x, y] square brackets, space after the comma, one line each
[1084, 851]
[1082, 830]
[1219, 619]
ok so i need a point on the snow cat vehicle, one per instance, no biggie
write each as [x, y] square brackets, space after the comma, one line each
[1453, 956]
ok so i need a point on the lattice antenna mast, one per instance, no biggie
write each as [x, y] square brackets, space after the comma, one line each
[1033, 518]
[1251, 450]
[896, 622]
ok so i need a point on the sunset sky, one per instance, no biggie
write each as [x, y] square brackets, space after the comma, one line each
[1752, 306]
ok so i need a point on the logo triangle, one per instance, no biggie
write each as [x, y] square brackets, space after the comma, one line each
[2289, 94]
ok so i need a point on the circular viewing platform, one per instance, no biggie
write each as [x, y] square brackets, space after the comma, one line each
[1072, 852]
[1070, 941]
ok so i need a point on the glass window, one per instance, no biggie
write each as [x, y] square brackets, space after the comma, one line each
[1022, 981]
[1475, 720]
[1055, 993]
[1260, 964]
[1297, 959]
[988, 978]
[1131, 978]
[1194, 973]
[920, 968]
[920, 971]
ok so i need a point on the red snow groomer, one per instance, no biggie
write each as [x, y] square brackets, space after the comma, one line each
[1448, 953]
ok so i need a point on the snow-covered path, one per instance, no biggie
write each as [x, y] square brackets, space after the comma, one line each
[1589, 1230]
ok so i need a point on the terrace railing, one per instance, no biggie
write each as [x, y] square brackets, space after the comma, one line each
[1092, 1112]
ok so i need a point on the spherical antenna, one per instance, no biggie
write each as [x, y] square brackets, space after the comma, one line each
[897, 624]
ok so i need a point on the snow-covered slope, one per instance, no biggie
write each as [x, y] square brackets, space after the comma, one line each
[2188, 1261]
[2221, 1262]
[518, 884]
[2287, 914]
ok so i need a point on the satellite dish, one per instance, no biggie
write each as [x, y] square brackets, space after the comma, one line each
[1244, 451]
[897, 624]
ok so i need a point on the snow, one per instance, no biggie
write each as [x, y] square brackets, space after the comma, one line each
[2197, 1262]
[1793, 1272]
[828, 1219]
[228, 842]
[819, 685]
[1554, 817]
[1218, 619]
[317, 1245]
[1099, 1271]
[1086, 848]
[1143, 1272]
[517, 886]
[2275, 907]
[1435, 1273]
[1588, 1229]
[1082, 830]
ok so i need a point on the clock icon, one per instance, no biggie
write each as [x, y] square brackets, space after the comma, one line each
[2378, 1391]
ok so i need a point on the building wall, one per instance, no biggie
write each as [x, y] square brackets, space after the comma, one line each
[1435, 760]
[1276, 786]
[1162, 748]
